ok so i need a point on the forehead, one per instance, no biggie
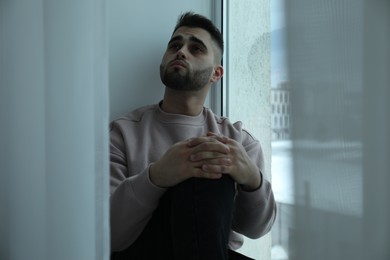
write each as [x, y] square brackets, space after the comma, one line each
[188, 32]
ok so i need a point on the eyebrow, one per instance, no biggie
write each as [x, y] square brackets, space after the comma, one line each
[192, 38]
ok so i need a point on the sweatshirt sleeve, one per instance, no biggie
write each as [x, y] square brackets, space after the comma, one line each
[133, 197]
[254, 211]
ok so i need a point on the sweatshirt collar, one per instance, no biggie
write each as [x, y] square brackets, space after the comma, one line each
[170, 118]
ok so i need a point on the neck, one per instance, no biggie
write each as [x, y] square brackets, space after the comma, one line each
[183, 102]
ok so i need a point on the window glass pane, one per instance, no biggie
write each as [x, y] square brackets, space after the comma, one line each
[282, 177]
[247, 76]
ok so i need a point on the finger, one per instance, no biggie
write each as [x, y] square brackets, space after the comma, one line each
[224, 164]
[212, 149]
[205, 155]
[209, 133]
[206, 175]
[219, 161]
[199, 140]
[219, 137]
[208, 168]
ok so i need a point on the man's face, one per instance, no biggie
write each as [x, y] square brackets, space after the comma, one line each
[189, 61]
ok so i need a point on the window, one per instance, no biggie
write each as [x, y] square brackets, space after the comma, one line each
[336, 81]
[247, 81]
[282, 179]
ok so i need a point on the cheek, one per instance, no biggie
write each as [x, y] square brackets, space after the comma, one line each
[162, 69]
[164, 59]
[163, 63]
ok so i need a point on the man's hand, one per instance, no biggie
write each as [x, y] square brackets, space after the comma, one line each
[182, 161]
[238, 164]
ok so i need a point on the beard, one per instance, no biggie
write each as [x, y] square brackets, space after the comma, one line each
[189, 81]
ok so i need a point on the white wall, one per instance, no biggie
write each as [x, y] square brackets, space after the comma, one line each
[139, 32]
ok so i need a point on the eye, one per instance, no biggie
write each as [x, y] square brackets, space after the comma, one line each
[197, 49]
[174, 46]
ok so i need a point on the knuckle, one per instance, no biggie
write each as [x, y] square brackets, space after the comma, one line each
[205, 145]
[216, 154]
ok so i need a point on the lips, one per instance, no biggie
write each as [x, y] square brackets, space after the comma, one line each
[179, 63]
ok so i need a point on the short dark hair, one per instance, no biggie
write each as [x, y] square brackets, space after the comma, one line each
[190, 19]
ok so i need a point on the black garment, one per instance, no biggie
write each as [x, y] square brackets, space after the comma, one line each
[192, 222]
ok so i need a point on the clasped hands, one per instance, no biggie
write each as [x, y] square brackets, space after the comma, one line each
[207, 157]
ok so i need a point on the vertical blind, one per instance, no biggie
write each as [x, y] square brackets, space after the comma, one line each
[339, 64]
[53, 134]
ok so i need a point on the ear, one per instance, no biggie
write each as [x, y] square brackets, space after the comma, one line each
[217, 74]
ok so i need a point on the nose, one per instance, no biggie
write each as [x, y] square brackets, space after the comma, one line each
[181, 53]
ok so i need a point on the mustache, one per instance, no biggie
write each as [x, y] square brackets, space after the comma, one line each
[178, 62]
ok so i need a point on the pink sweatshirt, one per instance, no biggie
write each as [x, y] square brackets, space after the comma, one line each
[141, 138]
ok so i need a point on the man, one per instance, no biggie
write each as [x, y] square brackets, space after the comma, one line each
[184, 181]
